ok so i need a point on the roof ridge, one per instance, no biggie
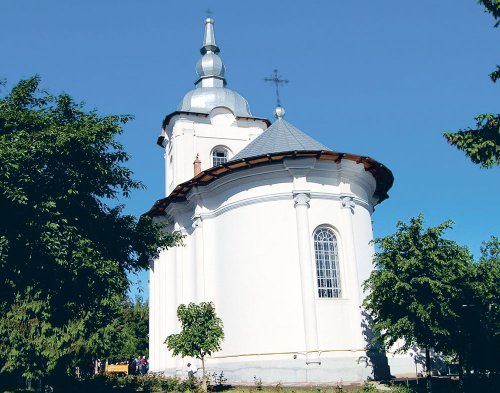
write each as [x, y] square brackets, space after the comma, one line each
[290, 127]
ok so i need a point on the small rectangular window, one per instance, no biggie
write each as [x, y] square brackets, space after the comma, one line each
[219, 156]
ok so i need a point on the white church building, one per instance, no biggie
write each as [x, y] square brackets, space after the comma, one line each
[277, 233]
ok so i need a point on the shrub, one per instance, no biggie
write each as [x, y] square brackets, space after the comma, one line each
[217, 382]
[368, 388]
[339, 388]
[401, 389]
[257, 382]
[189, 385]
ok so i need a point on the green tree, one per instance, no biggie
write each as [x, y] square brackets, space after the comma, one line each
[126, 336]
[65, 251]
[478, 333]
[202, 333]
[417, 288]
[482, 143]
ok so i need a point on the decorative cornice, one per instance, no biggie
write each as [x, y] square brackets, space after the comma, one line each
[186, 206]
[197, 221]
[381, 174]
[245, 202]
[301, 199]
[338, 197]
[169, 117]
[348, 202]
[275, 197]
[180, 229]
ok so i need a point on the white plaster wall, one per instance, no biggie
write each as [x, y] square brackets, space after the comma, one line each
[257, 284]
[250, 270]
[189, 135]
[338, 319]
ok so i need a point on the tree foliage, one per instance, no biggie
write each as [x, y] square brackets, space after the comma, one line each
[64, 250]
[202, 333]
[482, 143]
[478, 331]
[492, 7]
[427, 292]
[416, 288]
[126, 336]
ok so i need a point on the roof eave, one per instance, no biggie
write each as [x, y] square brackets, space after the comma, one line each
[380, 172]
[167, 119]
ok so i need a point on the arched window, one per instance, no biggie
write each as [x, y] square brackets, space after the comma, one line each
[327, 263]
[219, 156]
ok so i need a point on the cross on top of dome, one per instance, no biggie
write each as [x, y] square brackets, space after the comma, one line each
[276, 79]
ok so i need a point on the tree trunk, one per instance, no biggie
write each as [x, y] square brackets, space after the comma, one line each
[204, 379]
[428, 371]
[460, 374]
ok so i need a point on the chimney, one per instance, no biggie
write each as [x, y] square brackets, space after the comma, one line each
[197, 165]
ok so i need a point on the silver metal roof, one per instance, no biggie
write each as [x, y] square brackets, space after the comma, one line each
[281, 136]
[210, 89]
[209, 43]
[210, 65]
[204, 99]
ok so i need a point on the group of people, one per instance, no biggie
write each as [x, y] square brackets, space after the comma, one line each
[138, 366]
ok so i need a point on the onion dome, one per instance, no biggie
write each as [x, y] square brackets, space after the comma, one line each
[205, 99]
[210, 91]
[210, 67]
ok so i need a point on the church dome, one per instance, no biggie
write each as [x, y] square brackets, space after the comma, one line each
[210, 89]
[210, 65]
[204, 99]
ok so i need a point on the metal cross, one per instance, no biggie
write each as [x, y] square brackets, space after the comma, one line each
[208, 11]
[276, 79]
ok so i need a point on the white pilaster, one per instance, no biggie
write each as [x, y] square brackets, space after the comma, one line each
[169, 306]
[189, 270]
[179, 263]
[306, 277]
[199, 259]
[153, 315]
[348, 208]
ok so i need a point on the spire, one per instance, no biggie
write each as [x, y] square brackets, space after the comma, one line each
[209, 44]
[210, 68]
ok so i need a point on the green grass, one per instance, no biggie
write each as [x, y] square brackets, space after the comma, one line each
[155, 384]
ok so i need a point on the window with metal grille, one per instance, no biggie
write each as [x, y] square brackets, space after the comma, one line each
[327, 263]
[219, 156]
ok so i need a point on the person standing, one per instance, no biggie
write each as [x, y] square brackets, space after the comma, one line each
[192, 369]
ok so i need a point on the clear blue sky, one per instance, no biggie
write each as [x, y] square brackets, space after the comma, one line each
[382, 79]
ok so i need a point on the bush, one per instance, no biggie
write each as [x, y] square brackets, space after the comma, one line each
[189, 385]
[401, 389]
[368, 388]
[257, 382]
[217, 382]
[149, 383]
[339, 388]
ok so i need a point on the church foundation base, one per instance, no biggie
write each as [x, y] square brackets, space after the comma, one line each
[327, 371]
[330, 370]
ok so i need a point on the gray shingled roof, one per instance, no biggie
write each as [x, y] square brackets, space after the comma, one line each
[281, 136]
